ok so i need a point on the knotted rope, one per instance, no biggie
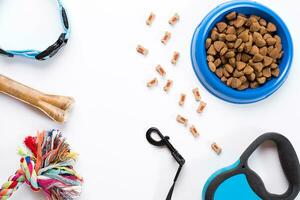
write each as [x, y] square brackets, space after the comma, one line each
[47, 166]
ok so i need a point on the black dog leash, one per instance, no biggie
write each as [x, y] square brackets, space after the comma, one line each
[165, 142]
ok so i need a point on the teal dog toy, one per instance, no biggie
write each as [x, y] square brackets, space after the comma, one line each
[239, 182]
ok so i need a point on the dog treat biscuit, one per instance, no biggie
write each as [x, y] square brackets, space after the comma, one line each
[150, 19]
[182, 120]
[197, 94]
[168, 85]
[142, 50]
[160, 70]
[174, 19]
[201, 107]
[194, 131]
[175, 58]
[182, 99]
[166, 37]
[216, 148]
[152, 82]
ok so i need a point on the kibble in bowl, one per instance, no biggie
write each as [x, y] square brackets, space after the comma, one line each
[242, 52]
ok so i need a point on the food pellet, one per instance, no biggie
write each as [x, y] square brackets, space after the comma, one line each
[197, 94]
[244, 51]
[150, 19]
[201, 107]
[182, 120]
[194, 131]
[174, 19]
[142, 50]
[216, 148]
[182, 99]
[175, 58]
[160, 70]
[168, 85]
[166, 37]
[152, 82]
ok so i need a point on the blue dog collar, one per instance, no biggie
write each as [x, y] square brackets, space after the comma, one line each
[51, 50]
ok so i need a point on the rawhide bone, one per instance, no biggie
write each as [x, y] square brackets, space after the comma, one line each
[55, 106]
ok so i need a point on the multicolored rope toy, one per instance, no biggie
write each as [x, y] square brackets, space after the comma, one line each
[47, 166]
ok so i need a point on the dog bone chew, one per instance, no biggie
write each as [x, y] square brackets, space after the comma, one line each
[54, 106]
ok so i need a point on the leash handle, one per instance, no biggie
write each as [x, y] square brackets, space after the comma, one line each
[177, 156]
[289, 162]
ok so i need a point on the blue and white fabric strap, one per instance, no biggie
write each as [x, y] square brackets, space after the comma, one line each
[51, 50]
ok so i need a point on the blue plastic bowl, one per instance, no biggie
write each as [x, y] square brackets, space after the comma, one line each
[210, 81]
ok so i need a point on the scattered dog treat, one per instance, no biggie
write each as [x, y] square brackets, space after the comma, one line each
[194, 131]
[174, 19]
[244, 52]
[142, 50]
[152, 83]
[201, 107]
[160, 70]
[150, 19]
[182, 120]
[175, 58]
[197, 94]
[166, 37]
[216, 148]
[168, 85]
[182, 99]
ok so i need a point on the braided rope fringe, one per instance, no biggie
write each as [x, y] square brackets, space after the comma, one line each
[46, 166]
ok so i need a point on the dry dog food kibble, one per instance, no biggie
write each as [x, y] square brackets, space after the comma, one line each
[168, 85]
[182, 99]
[175, 58]
[197, 94]
[152, 83]
[142, 50]
[194, 131]
[150, 19]
[166, 37]
[244, 52]
[160, 70]
[174, 19]
[216, 148]
[182, 120]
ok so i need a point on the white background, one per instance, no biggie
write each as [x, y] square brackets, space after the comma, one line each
[101, 70]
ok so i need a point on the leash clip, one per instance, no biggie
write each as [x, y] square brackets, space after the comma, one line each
[164, 142]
